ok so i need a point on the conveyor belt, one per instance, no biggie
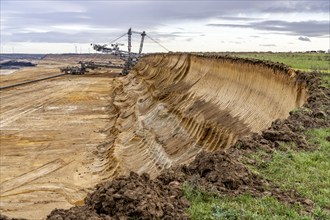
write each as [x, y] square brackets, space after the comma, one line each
[31, 81]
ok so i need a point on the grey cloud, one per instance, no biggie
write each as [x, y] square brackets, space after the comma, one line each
[81, 37]
[59, 37]
[141, 15]
[237, 18]
[99, 14]
[306, 28]
[51, 18]
[175, 35]
[304, 39]
[299, 6]
[231, 25]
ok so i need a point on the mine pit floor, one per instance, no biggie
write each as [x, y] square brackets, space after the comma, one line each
[48, 132]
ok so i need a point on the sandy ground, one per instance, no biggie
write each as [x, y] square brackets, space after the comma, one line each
[43, 69]
[48, 132]
[6, 72]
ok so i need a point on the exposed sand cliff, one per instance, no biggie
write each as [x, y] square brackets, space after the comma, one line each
[170, 107]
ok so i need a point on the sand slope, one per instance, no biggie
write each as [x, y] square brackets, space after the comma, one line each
[170, 107]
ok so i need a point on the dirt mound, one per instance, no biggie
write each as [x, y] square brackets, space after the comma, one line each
[3, 217]
[136, 196]
[162, 198]
[14, 64]
[221, 172]
[133, 196]
[217, 172]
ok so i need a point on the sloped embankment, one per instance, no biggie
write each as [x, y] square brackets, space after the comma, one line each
[173, 106]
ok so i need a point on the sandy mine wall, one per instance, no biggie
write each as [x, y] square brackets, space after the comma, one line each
[170, 107]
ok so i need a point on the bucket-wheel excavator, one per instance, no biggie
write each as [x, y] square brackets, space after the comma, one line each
[128, 56]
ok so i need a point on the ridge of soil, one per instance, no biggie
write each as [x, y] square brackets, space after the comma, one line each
[14, 64]
[138, 196]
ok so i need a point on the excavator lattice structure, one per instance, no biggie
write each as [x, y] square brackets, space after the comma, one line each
[128, 56]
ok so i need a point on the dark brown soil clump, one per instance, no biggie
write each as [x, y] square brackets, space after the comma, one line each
[3, 217]
[222, 173]
[134, 196]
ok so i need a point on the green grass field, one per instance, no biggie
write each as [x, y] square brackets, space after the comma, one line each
[308, 172]
[301, 61]
[209, 206]
[319, 62]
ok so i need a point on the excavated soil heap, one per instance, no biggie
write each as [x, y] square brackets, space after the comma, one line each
[172, 106]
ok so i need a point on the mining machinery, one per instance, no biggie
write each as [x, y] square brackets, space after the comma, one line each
[128, 56]
[73, 70]
[84, 66]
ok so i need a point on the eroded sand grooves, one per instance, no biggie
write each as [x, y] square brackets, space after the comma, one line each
[170, 107]
[74, 132]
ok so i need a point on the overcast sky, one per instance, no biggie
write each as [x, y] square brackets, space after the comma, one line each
[52, 26]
